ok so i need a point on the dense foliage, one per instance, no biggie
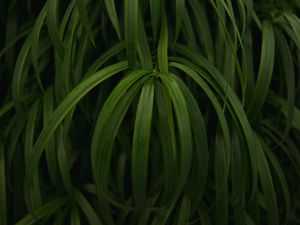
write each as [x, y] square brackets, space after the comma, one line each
[151, 112]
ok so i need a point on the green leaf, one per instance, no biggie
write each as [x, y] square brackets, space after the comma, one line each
[268, 190]
[213, 100]
[203, 30]
[180, 7]
[140, 146]
[248, 65]
[50, 149]
[200, 149]
[204, 218]
[52, 23]
[166, 134]
[265, 71]
[20, 73]
[85, 20]
[13, 41]
[284, 107]
[188, 31]
[288, 146]
[34, 196]
[45, 211]
[65, 107]
[184, 211]
[282, 180]
[75, 217]
[66, 18]
[60, 216]
[87, 209]
[103, 58]
[143, 46]
[213, 76]
[161, 218]
[224, 38]
[288, 73]
[131, 29]
[155, 9]
[162, 51]
[63, 160]
[35, 43]
[63, 83]
[294, 22]
[221, 180]
[238, 178]
[185, 133]
[107, 125]
[112, 13]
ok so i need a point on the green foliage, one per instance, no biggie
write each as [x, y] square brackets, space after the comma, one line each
[154, 112]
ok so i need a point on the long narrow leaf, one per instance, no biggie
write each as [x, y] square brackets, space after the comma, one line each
[69, 102]
[112, 13]
[131, 29]
[265, 70]
[140, 146]
[44, 211]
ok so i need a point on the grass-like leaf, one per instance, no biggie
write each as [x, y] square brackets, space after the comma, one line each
[52, 23]
[85, 20]
[149, 112]
[44, 211]
[268, 190]
[265, 70]
[131, 29]
[140, 146]
[184, 127]
[111, 10]
[69, 102]
[162, 51]
[87, 209]
[155, 9]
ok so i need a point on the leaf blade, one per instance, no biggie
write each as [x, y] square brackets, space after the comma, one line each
[140, 146]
